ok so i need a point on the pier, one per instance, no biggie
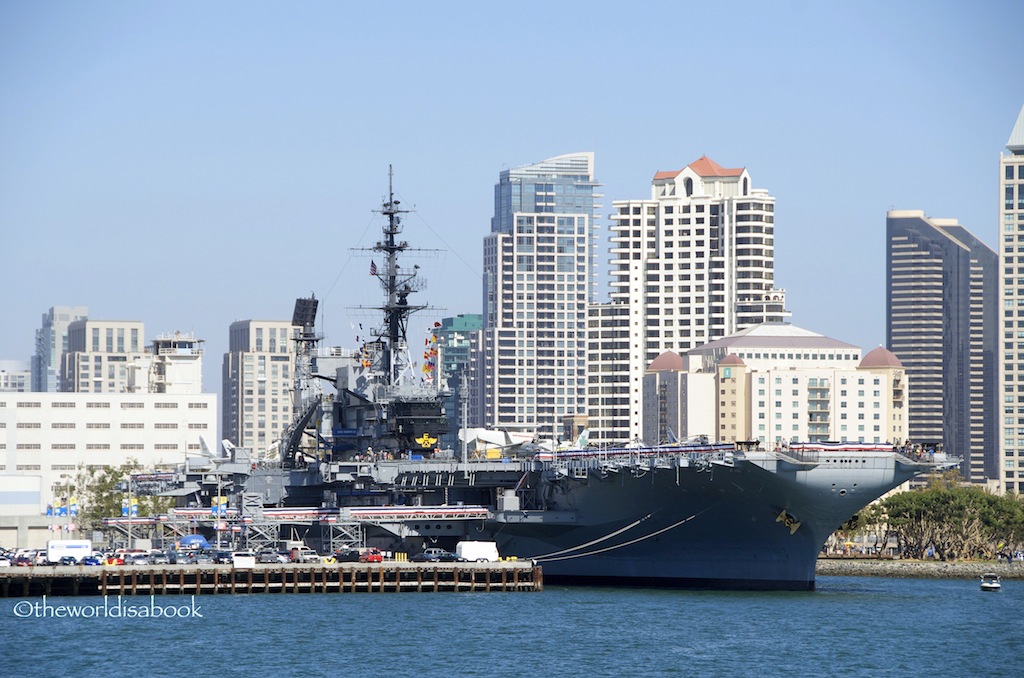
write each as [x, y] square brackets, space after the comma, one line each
[389, 577]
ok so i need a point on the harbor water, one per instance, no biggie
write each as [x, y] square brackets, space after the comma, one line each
[850, 626]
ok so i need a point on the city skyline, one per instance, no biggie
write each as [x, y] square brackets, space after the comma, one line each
[187, 166]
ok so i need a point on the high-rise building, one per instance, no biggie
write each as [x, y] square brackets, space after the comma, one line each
[99, 354]
[694, 263]
[941, 322]
[1011, 294]
[454, 341]
[608, 384]
[257, 384]
[539, 277]
[51, 343]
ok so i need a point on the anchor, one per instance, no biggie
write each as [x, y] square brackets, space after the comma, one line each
[789, 521]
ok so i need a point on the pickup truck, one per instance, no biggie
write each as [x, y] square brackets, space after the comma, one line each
[371, 556]
[305, 556]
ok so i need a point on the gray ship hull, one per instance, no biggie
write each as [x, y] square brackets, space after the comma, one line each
[748, 524]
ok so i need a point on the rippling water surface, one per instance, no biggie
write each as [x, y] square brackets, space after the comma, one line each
[850, 626]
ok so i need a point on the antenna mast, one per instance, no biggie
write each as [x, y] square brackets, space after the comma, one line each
[398, 285]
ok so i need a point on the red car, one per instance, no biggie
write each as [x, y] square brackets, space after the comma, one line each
[371, 556]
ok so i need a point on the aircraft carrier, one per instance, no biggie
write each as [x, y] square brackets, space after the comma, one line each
[359, 465]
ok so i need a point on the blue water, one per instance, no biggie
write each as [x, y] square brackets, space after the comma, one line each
[850, 626]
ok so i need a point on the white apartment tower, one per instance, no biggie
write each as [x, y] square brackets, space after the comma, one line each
[1011, 292]
[257, 384]
[99, 355]
[539, 277]
[694, 263]
[608, 360]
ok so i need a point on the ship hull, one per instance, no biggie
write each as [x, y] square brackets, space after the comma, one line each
[726, 526]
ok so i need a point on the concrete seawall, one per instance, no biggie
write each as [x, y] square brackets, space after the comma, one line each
[920, 569]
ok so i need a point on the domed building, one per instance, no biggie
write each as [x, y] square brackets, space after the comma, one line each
[776, 382]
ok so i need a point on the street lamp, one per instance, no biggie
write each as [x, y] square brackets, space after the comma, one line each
[129, 511]
[67, 490]
[61, 496]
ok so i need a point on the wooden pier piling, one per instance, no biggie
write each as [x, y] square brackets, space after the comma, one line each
[388, 577]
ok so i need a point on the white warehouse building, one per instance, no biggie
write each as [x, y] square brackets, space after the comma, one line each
[49, 435]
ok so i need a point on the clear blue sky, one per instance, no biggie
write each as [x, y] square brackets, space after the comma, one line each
[189, 164]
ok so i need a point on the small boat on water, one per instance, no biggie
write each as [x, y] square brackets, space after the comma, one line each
[990, 582]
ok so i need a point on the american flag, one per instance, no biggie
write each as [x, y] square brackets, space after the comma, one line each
[373, 267]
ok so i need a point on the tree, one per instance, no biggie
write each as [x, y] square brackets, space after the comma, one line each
[956, 521]
[102, 491]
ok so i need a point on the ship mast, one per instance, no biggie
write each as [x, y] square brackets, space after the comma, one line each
[396, 365]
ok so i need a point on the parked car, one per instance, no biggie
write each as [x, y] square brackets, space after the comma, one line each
[159, 558]
[271, 557]
[113, 559]
[371, 556]
[91, 561]
[242, 558]
[5, 561]
[347, 555]
[221, 557]
[137, 559]
[434, 555]
[67, 560]
[428, 556]
[204, 558]
[182, 558]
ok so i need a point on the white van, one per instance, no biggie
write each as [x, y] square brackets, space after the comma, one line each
[478, 551]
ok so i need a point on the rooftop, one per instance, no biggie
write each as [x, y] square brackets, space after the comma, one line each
[703, 166]
[1016, 142]
[774, 335]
